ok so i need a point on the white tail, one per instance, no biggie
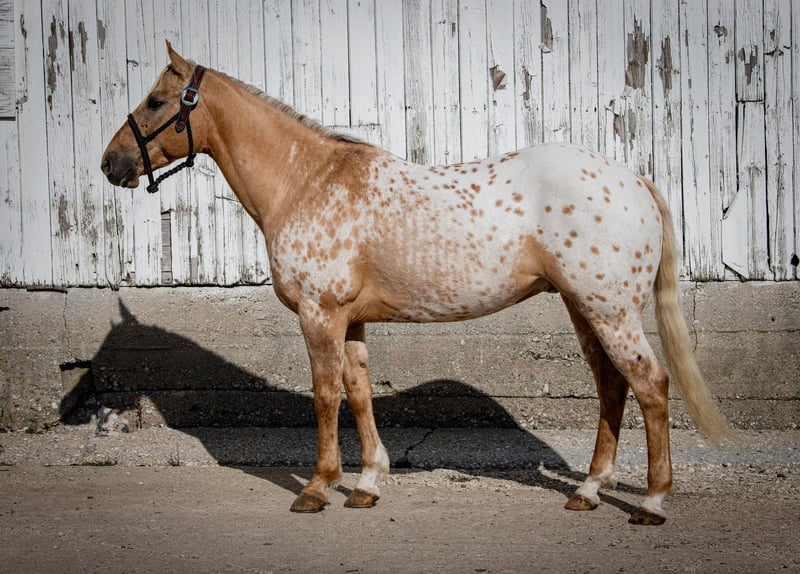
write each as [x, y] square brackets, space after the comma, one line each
[675, 340]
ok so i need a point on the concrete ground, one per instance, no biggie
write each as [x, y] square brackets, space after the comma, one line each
[90, 498]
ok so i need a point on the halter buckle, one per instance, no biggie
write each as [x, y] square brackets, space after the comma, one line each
[190, 96]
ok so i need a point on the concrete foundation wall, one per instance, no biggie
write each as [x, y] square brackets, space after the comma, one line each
[234, 357]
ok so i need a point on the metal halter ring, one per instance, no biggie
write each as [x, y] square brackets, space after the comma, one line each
[190, 91]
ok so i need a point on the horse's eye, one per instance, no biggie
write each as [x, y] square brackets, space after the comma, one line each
[153, 103]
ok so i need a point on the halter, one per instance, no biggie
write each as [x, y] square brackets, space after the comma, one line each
[190, 96]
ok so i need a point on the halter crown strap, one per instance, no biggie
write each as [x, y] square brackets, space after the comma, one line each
[190, 96]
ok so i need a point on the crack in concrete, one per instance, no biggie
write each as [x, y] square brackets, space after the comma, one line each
[405, 460]
[67, 337]
[693, 325]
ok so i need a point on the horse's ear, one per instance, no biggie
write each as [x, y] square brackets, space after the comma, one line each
[178, 63]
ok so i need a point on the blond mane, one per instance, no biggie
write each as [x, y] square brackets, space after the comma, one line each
[294, 114]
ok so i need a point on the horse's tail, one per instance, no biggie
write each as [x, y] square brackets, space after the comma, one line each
[673, 330]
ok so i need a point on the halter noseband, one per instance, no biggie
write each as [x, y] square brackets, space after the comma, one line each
[190, 96]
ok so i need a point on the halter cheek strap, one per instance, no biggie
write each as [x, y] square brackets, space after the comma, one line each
[190, 96]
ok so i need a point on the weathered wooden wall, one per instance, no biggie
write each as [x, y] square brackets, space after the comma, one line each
[698, 94]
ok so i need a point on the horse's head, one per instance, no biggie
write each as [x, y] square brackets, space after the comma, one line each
[158, 131]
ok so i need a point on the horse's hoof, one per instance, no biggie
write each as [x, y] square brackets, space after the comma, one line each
[644, 517]
[580, 502]
[308, 503]
[361, 499]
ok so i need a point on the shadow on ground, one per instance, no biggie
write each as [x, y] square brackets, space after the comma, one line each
[141, 368]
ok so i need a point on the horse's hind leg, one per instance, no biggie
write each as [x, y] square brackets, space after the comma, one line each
[612, 390]
[374, 459]
[625, 344]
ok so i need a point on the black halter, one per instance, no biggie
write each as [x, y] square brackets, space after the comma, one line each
[190, 96]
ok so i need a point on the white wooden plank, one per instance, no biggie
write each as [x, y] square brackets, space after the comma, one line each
[7, 85]
[666, 94]
[363, 73]
[65, 237]
[167, 27]
[113, 108]
[555, 71]
[528, 70]
[173, 192]
[744, 248]
[279, 66]
[306, 54]
[445, 76]
[224, 43]
[250, 32]
[736, 237]
[391, 75]
[203, 250]
[335, 63]
[611, 77]
[35, 202]
[583, 72]
[779, 150]
[722, 98]
[702, 211]
[11, 269]
[638, 81]
[474, 64]
[500, 44]
[142, 72]
[749, 38]
[419, 82]
[255, 266]
[88, 147]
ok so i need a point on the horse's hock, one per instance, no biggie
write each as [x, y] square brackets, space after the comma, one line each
[235, 357]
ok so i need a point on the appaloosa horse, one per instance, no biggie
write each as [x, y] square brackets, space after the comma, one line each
[357, 235]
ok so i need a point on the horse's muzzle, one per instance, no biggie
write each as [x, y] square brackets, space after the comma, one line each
[120, 171]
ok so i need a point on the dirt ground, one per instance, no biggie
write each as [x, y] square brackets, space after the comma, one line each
[731, 512]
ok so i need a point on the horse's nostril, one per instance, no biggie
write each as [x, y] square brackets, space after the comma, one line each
[105, 166]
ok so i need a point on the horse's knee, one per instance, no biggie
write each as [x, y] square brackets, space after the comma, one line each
[356, 372]
[326, 402]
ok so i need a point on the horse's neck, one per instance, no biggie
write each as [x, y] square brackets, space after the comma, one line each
[264, 153]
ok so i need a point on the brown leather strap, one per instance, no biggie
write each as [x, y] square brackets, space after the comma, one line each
[189, 98]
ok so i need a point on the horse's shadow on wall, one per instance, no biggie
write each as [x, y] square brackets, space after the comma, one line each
[140, 369]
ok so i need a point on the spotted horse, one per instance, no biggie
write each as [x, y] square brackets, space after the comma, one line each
[356, 235]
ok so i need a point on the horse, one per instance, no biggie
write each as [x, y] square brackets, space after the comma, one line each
[357, 235]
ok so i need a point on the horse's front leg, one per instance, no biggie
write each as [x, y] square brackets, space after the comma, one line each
[324, 335]
[374, 459]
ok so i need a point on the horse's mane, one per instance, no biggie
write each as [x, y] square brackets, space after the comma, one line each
[291, 112]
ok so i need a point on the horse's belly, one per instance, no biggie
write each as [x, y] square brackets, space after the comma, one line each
[455, 280]
[428, 307]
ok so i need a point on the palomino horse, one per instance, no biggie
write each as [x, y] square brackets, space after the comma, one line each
[357, 235]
